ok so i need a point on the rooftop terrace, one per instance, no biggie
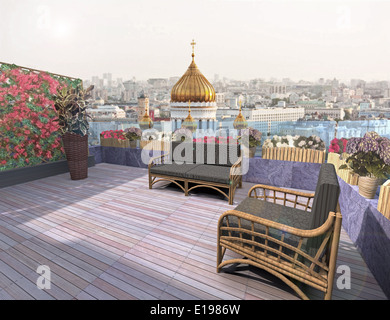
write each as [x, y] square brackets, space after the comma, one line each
[110, 237]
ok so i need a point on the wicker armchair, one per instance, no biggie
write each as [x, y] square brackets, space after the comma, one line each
[292, 235]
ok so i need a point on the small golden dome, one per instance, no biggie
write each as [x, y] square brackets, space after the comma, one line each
[240, 122]
[189, 122]
[146, 122]
[193, 85]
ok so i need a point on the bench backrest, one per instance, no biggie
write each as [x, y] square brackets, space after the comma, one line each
[205, 153]
[326, 195]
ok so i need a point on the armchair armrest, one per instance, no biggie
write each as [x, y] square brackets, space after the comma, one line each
[243, 239]
[295, 196]
[278, 226]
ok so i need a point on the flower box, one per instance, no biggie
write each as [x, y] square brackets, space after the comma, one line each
[294, 154]
[156, 145]
[346, 174]
[112, 142]
[25, 174]
[384, 199]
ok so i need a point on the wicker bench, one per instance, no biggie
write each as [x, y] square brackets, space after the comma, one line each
[296, 240]
[193, 165]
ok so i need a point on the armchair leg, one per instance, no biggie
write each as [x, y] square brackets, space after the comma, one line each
[220, 254]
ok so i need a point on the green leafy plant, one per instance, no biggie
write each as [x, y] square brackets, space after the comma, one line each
[254, 138]
[71, 107]
[133, 133]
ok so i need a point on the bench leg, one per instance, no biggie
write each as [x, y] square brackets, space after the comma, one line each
[231, 194]
[186, 188]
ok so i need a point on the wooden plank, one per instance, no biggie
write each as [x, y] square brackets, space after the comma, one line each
[110, 237]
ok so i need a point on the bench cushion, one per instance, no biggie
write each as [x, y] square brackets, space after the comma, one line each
[173, 169]
[210, 173]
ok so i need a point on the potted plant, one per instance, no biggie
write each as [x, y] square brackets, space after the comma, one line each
[133, 134]
[72, 118]
[182, 134]
[254, 141]
[370, 159]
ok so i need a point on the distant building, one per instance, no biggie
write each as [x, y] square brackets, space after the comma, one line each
[106, 112]
[366, 105]
[334, 113]
[193, 98]
[143, 104]
[267, 117]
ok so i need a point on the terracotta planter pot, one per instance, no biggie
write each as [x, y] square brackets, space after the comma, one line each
[368, 186]
[252, 152]
[133, 144]
[352, 179]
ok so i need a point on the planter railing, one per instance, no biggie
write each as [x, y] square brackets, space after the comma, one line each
[156, 145]
[346, 174]
[294, 154]
[112, 142]
[384, 199]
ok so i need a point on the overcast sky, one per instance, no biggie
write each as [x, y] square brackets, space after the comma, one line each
[239, 39]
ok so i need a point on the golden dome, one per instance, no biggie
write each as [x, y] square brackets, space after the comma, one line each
[193, 85]
[189, 122]
[240, 122]
[146, 122]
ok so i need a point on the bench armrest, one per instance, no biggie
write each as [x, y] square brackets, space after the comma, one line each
[235, 170]
[161, 159]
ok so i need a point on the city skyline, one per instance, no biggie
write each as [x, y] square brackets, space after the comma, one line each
[236, 39]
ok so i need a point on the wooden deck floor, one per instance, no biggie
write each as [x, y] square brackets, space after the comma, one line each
[110, 237]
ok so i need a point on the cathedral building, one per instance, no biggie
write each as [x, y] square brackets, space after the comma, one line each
[193, 88]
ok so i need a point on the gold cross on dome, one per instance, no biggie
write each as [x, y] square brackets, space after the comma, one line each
[193, 43]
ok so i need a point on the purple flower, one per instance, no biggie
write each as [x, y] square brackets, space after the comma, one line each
[384, 150]
[353, 145]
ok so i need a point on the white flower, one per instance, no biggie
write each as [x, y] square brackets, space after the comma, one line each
[301, 144]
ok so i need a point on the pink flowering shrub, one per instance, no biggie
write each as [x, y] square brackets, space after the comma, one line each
[116, 134]
[217, 140]
[29, 130]
[338, 145]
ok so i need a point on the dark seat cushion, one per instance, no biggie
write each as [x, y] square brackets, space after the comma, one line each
[292, 217]
[210, 173]
[173, 169]
[273, 212]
